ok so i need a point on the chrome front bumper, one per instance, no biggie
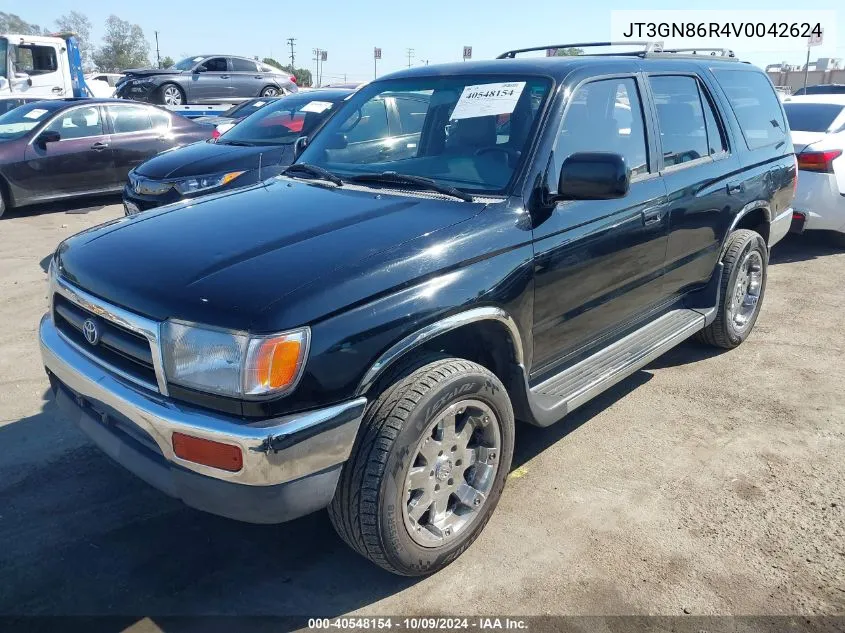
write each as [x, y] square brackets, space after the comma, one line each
[274, 451]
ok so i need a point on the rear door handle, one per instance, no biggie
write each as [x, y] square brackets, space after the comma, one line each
[735, 187]
[99, 146]
[652, 216]
[258, 76]
[224, 76]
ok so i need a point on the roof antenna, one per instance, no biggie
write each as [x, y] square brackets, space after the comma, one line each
[259, 167]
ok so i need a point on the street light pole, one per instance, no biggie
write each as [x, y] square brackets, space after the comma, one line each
[291, 40]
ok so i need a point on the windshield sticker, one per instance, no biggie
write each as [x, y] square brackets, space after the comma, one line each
[37, 113]
[316, 106]
[258, 104]
[488, 99]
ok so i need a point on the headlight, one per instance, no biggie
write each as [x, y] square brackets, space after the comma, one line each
[233, 363]
[201, 183]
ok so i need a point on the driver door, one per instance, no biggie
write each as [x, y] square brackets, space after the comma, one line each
[213, 84]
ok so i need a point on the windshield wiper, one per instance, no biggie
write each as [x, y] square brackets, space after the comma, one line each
[238, 143]
[395, 178]
[313, 170]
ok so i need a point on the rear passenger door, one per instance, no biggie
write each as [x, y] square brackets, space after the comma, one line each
[699, 167]
[212, 85]
[137, 133]
[598, 263]
[246, 80]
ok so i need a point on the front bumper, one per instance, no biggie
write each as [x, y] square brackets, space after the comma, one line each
[290, 465]
[136, 92]
[147, 202]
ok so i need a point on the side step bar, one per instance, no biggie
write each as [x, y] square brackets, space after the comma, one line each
[554, 398]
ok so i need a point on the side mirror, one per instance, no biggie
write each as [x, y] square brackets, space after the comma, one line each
[336, 141]
[23, 78]
[47, 136]
[299, 146]
[593, 176]
[200, 69]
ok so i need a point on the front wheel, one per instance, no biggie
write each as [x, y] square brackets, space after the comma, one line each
[171, 95]
[745, 262]
[427, 469]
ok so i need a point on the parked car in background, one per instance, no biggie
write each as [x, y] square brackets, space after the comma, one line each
[110, 78]
[821, 89]
[361, 333]
[264, 140]
[205, 79]
[238, 112]
[63, 148]
[817, 124]
[10, 102]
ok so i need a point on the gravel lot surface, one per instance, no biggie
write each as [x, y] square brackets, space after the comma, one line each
[708, 483]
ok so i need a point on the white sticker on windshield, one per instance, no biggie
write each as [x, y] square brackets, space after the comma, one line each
[316, 106]
[37, 113]
[488, 99]
[258, 104]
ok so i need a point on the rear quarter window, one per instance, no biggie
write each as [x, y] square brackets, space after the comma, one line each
[755, 105]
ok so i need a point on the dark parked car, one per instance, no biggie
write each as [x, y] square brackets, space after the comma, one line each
[821, 89]
[362, 334]
[62, 148]
[265, 139]
[237, 112]
[205, 79]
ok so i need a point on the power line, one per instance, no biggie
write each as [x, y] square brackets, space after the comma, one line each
[291, 40]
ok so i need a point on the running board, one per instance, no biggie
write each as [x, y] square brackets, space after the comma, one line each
[554, 398]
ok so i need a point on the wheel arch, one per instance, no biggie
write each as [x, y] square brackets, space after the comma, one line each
[6, 192]
[756, 216]
[487, 335]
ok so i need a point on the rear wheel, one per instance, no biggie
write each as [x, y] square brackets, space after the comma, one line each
[427, 469]
[171, 94]
[743, 285]
[270, 91]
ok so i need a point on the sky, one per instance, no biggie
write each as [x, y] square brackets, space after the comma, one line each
[437, 31]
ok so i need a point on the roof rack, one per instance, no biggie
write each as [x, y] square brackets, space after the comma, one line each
[649, 49]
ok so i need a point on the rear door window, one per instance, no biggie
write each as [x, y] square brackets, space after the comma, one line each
[243, 65]
[126, 118]
[688, 126]
[756, 106]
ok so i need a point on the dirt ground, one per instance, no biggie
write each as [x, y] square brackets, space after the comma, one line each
[708, 483]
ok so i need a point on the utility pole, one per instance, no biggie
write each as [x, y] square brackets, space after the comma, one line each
[410, 52]
[158, 55]
[317, 53]
[291, 40]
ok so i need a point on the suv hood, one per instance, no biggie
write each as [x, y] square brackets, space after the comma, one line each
[224, 259]
[199, 159]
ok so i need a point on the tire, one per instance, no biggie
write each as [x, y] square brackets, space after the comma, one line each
[370, 509]
[171, 94]
[740, 287]
[271, 91]
[2, 201]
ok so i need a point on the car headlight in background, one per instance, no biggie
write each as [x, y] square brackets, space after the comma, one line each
[201, 183]
[233, 364]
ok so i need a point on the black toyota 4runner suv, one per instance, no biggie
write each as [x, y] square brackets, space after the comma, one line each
[361, 333]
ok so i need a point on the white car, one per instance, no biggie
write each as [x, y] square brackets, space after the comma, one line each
[817, 123]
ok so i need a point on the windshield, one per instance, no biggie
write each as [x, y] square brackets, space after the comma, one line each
[188, 63]
[281, 122]
[812, 117]
[246, 108]
[18, 122]
[468, 132]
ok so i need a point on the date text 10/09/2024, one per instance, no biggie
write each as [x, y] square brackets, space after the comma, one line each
[722, 29]
[419, 623]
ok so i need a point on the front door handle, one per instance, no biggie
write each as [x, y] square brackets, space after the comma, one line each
[735, 187]
[258, 76]
[224, 76]
[57, 90]
[652, 216]
[99, 146]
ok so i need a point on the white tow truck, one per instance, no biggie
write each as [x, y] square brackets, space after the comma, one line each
[50, 67]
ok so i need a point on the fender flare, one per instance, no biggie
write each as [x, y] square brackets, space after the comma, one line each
[754, 205]
[433, 330]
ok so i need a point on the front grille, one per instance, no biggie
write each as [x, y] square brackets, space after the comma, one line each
[118, 348]
[148, 187]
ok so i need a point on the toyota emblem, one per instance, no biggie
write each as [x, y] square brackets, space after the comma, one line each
[91, 332]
